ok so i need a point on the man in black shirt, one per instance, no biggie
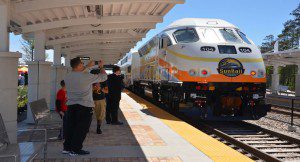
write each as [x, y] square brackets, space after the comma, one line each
[115, 86]
[99, 91]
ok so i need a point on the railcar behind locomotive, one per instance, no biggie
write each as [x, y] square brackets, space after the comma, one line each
[205, 63]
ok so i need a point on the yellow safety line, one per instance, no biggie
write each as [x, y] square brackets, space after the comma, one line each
[205, 59]
[213, 148]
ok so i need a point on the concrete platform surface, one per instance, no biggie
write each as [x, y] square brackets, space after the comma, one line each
[143, 137]
[149, 134]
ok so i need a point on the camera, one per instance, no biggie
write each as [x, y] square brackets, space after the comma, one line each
[98, 62]
[95, 71]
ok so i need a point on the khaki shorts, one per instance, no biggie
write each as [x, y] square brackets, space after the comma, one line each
[100, 109]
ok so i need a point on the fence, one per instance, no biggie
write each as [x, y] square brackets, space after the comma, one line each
[291, 105]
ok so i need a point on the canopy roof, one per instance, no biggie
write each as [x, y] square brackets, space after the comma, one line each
[287, 57]
[105, 29]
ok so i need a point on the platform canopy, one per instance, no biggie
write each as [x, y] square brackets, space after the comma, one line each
[105, 29]
[287, 57]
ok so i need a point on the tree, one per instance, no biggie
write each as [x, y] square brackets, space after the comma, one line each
[268, 44]
[289, 38]
[291, 31]
[287, 76]
[28, 49]
[269, 72]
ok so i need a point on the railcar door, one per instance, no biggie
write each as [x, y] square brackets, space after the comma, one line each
[164, 66]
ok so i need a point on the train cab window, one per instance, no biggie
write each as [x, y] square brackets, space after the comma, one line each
[243, 36]
[169, 43]
[229, 36]
[208, 36]
[188, 35]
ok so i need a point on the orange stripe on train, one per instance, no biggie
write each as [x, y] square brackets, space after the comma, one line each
[185, 77]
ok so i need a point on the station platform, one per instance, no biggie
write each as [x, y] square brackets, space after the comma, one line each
[148, 134]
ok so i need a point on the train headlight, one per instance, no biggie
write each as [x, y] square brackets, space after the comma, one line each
[253, 73]
[192, 72]
[204, 72]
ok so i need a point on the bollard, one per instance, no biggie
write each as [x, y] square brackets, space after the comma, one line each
[292, 114]
[291, 128]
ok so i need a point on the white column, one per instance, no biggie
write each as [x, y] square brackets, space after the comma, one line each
[58, 73]
[67, 60]
[297, 82]
[57, 55]
[9, 92]
[39, 46]
[39, 72]
[9, 77]
[275, 79]
[4, 35]
[38, 83]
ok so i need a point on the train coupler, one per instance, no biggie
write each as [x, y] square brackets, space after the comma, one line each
[200, 102]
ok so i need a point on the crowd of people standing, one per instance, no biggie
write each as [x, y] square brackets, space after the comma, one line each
[86, 91]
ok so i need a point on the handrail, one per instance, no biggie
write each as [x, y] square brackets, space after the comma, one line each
[291, 105]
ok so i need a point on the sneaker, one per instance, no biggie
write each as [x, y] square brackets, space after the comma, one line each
[99, 131]
[80, 152]
[72, 153]
[65, 151]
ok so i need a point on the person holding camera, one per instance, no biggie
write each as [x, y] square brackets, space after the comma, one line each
[79, 86]
[115, 87]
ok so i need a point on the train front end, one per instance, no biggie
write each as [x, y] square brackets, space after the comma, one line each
[221, 71]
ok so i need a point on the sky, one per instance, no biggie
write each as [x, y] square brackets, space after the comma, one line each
[256, 18]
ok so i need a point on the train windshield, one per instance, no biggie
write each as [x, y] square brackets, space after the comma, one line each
[188, 35]
[208, 35]
[229, 36]
[243, 36]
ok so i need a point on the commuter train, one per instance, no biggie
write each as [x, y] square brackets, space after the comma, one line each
[201, 63]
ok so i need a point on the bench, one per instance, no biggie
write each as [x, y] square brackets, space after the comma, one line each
[282, 89]
[42, 115]
[23, 151]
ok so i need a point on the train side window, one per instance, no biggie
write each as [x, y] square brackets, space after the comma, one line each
[243, 36]
[161, 44]
[188, 35]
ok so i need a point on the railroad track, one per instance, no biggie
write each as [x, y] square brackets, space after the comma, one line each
[285, 111]
[258, 143]
[261, 143]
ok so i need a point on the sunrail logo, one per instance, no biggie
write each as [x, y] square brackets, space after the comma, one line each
[230, 67]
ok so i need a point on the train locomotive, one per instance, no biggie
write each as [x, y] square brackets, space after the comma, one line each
[208, 64]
